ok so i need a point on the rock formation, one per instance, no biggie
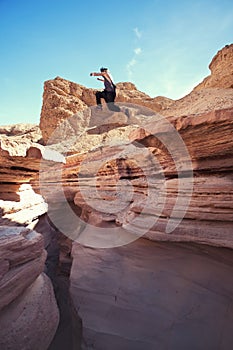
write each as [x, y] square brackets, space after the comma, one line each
[149, 295]
[62, 99]
[29, 314]
[159, 170]
[209, 213]
[221, 68]
[27, 300]
[20, 156]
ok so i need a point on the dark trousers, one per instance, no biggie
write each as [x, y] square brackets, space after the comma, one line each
[109, 97]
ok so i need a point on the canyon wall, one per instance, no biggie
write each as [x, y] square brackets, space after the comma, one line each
[29, 315]
[158, 170]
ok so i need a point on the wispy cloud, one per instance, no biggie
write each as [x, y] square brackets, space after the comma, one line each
[130, 65]
[137, 33]
[137, 51]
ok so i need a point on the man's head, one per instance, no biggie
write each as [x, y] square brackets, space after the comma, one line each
[103, 69]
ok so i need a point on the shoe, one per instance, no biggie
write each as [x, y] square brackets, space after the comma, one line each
[127, 112]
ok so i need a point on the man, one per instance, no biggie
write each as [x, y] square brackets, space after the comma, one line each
[109, 92]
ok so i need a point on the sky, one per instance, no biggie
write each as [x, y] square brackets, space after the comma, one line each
[163, 47]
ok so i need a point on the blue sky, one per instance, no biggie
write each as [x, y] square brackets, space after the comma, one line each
[163, 47]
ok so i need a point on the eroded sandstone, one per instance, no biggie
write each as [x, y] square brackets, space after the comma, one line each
[31, 320]
[98, 174]
[221, 68]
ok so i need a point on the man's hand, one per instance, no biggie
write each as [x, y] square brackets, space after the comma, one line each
[91, 74]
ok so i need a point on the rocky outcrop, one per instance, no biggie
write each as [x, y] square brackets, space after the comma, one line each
[221, 68]
[20, 157]
[107, 179]
[62, 99]
[29, 314]
[21, 132]
[127, 92]
[148, 162]
[200, 101]
[26, 296]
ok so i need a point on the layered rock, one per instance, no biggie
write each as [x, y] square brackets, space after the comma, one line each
[27, 301]
[122, 178]
[221, 68]
[62, 99]
[22, 260]
[28, 311]
[20, 157]
[109, 179]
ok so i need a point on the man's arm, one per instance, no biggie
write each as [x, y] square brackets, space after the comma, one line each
[96, 74]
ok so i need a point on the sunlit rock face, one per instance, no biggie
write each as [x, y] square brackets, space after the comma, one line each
[221, 68]
[146, 179]
[20, 157]
[158, 170]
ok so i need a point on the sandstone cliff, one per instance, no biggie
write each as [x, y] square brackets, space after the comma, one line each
[113, 180]
[221, 68]
[204, 121]
[92, 179]
[62, 99]
[29, 314]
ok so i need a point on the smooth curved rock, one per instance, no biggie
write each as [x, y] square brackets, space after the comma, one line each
[22, 258]
[31, 320]
[149, 295]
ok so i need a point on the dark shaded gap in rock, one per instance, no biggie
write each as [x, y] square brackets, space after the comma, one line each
[58, 265]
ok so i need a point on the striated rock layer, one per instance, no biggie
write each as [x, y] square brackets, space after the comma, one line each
[107, 180]
[22, 260]
[28, 311]
[145, 180]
